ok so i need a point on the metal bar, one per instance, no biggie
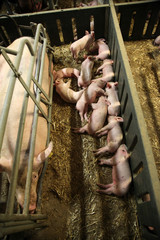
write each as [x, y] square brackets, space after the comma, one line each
[39, 194]
[21, 217]
[41, 89]
[149, 175]
[33, 98]
[33, 136]
[15, 229]
[15, 223]
[37, 74]
[8, 50]
[14, 176]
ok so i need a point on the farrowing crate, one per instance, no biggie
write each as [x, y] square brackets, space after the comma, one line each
[12, 218]
[59, 26]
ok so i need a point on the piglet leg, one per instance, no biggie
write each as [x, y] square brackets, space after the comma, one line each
[101, 150]
[104, 161]
[106, 189]
[80, 130]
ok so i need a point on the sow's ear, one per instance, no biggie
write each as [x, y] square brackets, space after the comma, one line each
[44, 154]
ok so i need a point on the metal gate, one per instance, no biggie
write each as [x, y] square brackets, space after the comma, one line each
[11, 222]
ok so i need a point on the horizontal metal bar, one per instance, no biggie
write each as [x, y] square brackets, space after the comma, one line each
[135, 3]
[21, 217]
[15, 223]
[14, 229]
[8, 50]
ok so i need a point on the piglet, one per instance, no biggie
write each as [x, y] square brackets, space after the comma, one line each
[121, 174]
[114, 108]
[66, 93]
[86, 72]
[66, 72]
[156, 42]
[114, 135]
[89, 96]
[81, 44]
[103, 50]
[107, 73]
[92, 3]
[97, 118]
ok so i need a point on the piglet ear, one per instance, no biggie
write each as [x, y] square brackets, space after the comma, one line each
[108, 85]
[54, 74]
[45, 153]
[116, 83]
[57, 82]
[101, 39]
[86, 32]
[119, 119]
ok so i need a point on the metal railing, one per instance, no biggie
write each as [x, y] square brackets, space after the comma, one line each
[9, 221]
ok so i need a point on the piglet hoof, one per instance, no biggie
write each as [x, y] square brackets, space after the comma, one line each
[75, 130]
[101, 185]
[100, 162]
[96, 152]
[105, 189]
[102, 188]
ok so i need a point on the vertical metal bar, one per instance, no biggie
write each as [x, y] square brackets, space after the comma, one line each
[33, 136]
[49, 129]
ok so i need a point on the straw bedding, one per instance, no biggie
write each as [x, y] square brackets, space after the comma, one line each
[74, 209]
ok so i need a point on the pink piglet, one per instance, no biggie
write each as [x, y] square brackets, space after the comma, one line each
[121, 174]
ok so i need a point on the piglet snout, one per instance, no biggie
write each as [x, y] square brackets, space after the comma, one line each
[32, 209]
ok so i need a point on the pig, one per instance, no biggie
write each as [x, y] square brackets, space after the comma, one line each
[121, 174]
[92, 3]
[81, 44]
[114, 135]
[41, 152]
[107, 71]
[156, 41]
[97, 118]
[86, 72]
[66, 72]
[66, 93]
[103, 50]
[29, 5]
[114, 108]
[89, 96]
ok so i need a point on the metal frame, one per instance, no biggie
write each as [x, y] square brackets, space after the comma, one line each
[144, 172]
[145, 178]
[25, 220]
